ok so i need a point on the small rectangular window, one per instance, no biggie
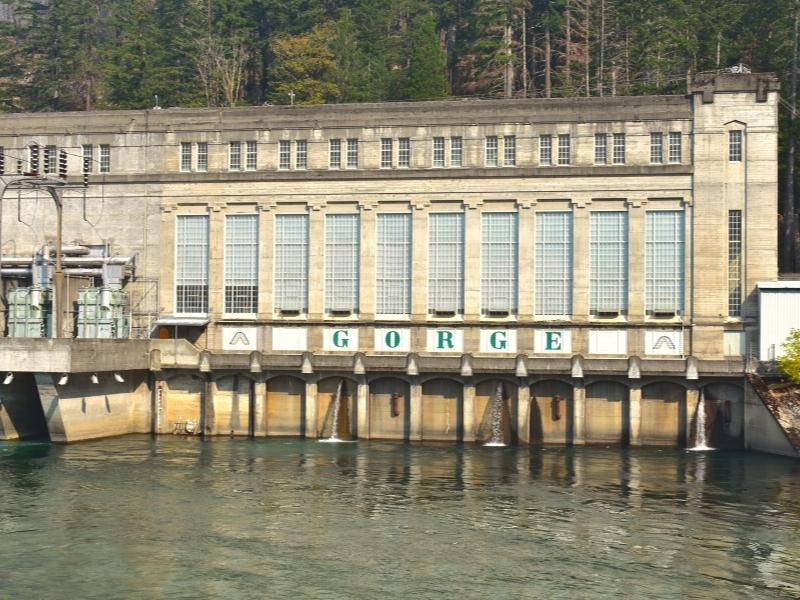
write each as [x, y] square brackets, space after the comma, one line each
[88, 158]
[456, 151]
[491, 151]
[656, 147]
[301, 154]
[619, 148]
[252, 156]
[202, 156]
[234, 156]
[335, 154]
[105, 158]
[284, 154]
[545, 150]
[186, 156]
[352, 153]
[404, 152]
[564, 149]
[510, 151]
[438, 152]
[50, 159]
[735, 146]
[386, 153]
[600, 148]
[675, 150]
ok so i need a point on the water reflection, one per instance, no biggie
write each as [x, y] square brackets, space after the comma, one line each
[286, 518]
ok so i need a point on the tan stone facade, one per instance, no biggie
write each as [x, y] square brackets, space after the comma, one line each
[153, 181]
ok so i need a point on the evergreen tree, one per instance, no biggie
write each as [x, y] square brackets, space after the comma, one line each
[427, 76]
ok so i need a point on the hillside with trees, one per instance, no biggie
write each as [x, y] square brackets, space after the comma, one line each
[105, 54]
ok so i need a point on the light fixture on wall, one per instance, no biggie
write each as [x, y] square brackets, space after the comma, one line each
[63, 379]
[118, 378]
[95, 379]
[9, 378]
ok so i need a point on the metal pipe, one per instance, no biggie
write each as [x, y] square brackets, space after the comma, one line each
[17, 272]
[72, 260]
[72, 250]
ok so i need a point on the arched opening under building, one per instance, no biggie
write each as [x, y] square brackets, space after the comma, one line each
[234, 405]
[389, 409]
[552, 413]
[663, 414]
[285, 406]
[724, 405]
[442, 410]
[491, 391]
[181, 404]
[607, 413]
[329, 418]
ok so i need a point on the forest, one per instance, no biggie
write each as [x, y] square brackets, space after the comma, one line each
[106, 54]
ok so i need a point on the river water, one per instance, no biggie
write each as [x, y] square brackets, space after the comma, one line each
[135, 517]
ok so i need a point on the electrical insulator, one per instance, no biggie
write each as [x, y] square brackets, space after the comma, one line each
[86, 167]
[2, 163]
[19, 167]
[48, 161]
[35, 159]
[62, 164]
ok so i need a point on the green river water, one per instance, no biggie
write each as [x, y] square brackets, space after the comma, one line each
[137, 517]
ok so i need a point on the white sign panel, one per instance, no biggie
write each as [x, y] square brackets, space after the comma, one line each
[242, 339]
[392, 340]
[663, 341]
[608, 341]
[290, 339]
[556, 341]
[340, 339]
[499, 340]
[445, 340]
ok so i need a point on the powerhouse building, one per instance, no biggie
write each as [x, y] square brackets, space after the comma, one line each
[592, 262]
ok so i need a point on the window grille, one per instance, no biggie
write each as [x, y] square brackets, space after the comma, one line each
[600, 148]
[301, 154]
[664, 262]
[186, 156]
[438, 152]
[352, 154]
[88, 158]
[252, 156]
[734, 263]
[202, 156]
[291, 263]
[446, 263]
[241, 264]
[335, 154]
[510, 151]
[234, 156]
[393, 285]
[735, 146]
[545, 150]
[656, 147]
[553, 264]
[284, 154]
[191, 264]
[105, 158]
[675, 150]
[564, 149]
[341, 263]
[386, 153]
[456, 151]
[491, 150]
[50, 159]
[619, 148]
[608, 249]
[404, 152]
[499, 263]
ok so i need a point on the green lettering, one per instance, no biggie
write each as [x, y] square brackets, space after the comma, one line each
[444, 337]
[498, 340]
[341, 338]
[552, 340]
[392, 339]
